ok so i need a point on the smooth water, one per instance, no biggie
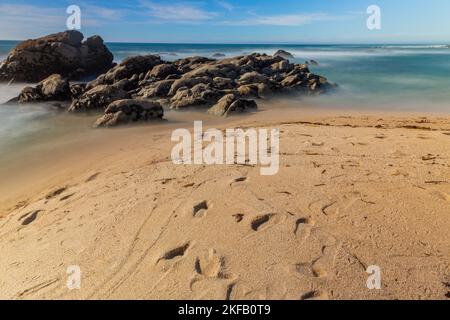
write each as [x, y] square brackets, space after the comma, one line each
[392, 78]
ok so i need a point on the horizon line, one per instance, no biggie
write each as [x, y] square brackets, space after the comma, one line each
[265, 43]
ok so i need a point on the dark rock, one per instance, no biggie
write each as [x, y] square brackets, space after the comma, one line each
[162, 71]
[198, 95]
[130, 67]
[284, 54]
[156, 89]
[99, 97]
[130, 110]
[252, 77]
[54, 88]
[223, 83]
[77, 90]
[188, 83]
[61, 53]
[230, 104]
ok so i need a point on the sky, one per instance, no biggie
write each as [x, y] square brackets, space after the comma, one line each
[233, 21]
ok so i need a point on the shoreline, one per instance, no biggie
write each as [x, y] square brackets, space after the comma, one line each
[91, 143]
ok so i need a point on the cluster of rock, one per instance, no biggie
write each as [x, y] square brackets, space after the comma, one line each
[139, 88]
[63, 53]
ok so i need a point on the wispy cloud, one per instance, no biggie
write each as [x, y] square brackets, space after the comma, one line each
[226, 5]
[177, 12]
[282, 20]
[21, 21]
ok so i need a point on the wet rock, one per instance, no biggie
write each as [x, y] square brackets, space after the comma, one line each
[53, 88]
[156, 89]
[230, 104]
[130, 110]
[162, 71]
[99, 97]
[284, 54]
[198, 95]
[252, 77]
[130, 67]
[187, 83]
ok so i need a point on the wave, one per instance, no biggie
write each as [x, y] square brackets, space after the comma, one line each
[436, 46]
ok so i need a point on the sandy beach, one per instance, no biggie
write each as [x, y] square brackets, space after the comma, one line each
[353, 190]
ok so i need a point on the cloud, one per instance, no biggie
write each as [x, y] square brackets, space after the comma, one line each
[282, 20]
[23, 21]
[226, 5]
[177, 12]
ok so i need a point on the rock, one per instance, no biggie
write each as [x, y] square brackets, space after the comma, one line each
[229, 104]
[191, 63]
[248, 90]
[252, 77]
[156, 89]
[313, 62]
[293, 80]
[188, 83]
[284, 54]
[130, 67]
[99, 97]
[218, 55]
[212, 71]
[61, 53]
[76, 90]
[161, 71]
[53, 88]
[242, 105]
[130, 110]
[223, 83]
[200, 94]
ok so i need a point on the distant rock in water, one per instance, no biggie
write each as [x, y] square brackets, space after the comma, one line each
[63, 53]
[284, 54]
[218, 55]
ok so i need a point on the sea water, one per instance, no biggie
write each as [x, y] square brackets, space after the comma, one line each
[410, 78]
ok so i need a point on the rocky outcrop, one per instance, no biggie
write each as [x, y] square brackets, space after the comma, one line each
[54, 88]
[62, 53]
[145, 83]
[130, 110]
[224, 86]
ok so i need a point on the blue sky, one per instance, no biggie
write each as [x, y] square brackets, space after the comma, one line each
[232, 21]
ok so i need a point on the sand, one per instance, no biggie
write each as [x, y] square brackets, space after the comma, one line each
[353, 191]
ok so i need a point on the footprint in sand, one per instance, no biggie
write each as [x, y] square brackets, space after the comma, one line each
[175, 253]
[200, 209]
[238, 217]
[260, 221]
[55, 193]
[238, 180]
[29, 217]
[312, 270]
[211, 266]
[315, 295]
[303, 222]
[92, 177]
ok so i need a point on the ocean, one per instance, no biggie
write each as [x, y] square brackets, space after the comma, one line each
[403, 78]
